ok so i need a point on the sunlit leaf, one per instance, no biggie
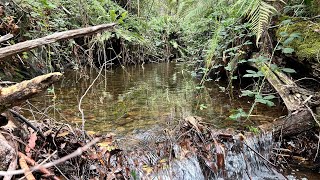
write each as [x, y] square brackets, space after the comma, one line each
[269, 97]
[113, 15]
[248, 93]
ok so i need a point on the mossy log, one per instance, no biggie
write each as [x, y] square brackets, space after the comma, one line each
[27, 45]
[295, 98]
[306, 47]
[15, 94]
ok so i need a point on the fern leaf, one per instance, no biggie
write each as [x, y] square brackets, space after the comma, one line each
[259, 13]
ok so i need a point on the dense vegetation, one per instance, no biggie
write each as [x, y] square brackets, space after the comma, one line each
[262, 49]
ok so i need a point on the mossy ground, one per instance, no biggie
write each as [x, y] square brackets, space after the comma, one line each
[308, 46]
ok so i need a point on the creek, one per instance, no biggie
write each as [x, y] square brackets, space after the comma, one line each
[129, 101]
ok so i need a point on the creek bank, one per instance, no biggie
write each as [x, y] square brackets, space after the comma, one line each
[189, 149]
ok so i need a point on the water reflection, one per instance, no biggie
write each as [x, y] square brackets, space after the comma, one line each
[134, 98]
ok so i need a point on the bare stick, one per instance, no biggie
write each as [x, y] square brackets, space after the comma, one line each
[6, 37]
[78, 152]
[259, 154]
[315, 157]
[26, 169]
[28, 45]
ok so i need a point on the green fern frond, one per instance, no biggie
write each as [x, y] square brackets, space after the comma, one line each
[259, 17]
[259, 13]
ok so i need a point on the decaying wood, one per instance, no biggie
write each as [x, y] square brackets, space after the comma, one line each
[27, 45]
[14, 163]
[15, 94]
[295, 98]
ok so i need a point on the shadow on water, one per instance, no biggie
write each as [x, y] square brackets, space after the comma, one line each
[134, 98]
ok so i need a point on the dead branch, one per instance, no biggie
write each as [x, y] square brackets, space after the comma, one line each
[26, 169]
[27, 45]
[78, 152]
[7, 153]
[13, 166]
[15, 94]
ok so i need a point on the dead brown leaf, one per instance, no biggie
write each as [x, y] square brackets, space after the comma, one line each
[31, 143]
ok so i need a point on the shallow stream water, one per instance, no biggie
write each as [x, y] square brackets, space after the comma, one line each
[132, 100]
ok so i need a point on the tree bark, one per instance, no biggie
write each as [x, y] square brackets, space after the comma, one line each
[15, 94]
[27, 45]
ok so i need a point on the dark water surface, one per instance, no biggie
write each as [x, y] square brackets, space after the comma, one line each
[126, 100]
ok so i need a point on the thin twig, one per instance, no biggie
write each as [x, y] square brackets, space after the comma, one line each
[33, 163]
[85, 93]
[78, 152]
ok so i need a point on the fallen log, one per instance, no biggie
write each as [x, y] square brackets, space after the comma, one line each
[27, 45]
[295, 98]
[15, 94]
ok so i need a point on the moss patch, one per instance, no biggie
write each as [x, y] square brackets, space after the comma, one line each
[308, 46]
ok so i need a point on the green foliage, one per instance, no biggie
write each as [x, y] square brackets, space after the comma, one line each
[237, 114]
[288, 70]
[253, 74]
[287, 50]
[203, 106]
[255, 130]
[265, 99]
[259, 13]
